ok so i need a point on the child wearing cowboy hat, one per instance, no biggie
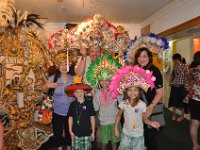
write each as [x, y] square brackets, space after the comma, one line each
[81, 117]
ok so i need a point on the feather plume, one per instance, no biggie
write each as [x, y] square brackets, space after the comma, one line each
[128, 76]
[7, 7]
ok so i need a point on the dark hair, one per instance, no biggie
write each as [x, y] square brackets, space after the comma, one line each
[177, 56]
[149, 54]
[196, 60]
[183, 60]
[57, 72]
[52, 70]
[192, 65]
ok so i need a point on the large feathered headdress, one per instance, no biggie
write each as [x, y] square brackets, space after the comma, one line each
[60, 50]
[128, 76]
[154, 43]
[95, 32]
[102, 69]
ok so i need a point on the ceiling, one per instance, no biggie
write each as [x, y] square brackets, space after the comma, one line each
[189, 32]
[116, 11]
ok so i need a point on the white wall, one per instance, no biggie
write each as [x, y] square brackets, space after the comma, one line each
[173, 14]
[185, 48]
[49, 29]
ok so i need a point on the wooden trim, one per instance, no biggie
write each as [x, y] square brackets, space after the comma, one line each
[145, 30]
[183, 26]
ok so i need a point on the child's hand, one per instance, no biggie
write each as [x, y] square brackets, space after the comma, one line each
[116, 133]
[72, 135]
[155, 125]
[92, 137]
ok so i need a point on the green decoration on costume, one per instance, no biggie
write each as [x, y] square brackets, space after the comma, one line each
[102, 69]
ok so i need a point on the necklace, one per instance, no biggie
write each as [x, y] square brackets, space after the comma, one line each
[79, 110]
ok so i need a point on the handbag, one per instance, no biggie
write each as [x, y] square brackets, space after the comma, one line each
[157, 114]
[46, 111]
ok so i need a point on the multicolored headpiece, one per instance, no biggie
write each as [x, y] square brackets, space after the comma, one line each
[60, 50]
[122, 39]
[154, 43]
[128, 76]
[97, 32]
[102, 69]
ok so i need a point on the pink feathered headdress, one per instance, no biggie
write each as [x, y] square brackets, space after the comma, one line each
[128, 76]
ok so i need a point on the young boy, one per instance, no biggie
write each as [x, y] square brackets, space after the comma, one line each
[81, 117]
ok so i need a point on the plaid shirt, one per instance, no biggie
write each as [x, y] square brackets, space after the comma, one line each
[179, 75]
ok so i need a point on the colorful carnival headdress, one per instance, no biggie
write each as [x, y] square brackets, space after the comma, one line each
[122, 39]
[154, 43]
[94, 32]
[58, 41]
[128, 76]
[102, 69]
[60, 49]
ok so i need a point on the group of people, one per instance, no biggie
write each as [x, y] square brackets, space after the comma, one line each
[74, 114]
[116, 92]
[185, 91]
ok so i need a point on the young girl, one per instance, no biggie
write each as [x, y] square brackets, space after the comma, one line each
[101, 72]
[81, 117]
[130, 80]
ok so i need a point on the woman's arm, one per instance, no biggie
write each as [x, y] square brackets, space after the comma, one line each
[1, 135]
[48, 85]
[70, 122]
[155, 101]
[80, 69]
[117, 120]
[151, 123]
[92, 121]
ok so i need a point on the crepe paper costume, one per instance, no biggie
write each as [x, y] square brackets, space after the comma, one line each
[102, 69]
[154, 43]
[58, 40]
[60, 49]
[95, 32]
[122, 39]
[128, 76]
[6, 12]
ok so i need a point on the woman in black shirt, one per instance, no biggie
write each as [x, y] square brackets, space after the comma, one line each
[144, 59]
